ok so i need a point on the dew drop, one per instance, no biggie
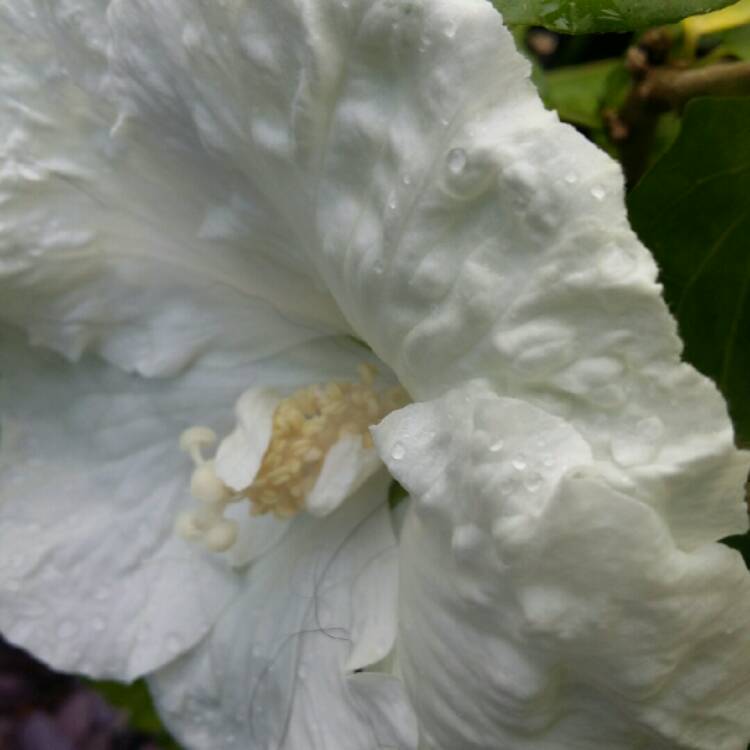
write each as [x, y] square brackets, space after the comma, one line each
[519, 463]
[497, 446]
[532, 481]
[617, 262]
[598, 192]
[392, 203]
[465, 540]
[638, 445]
[398, 452]
[650, 428]
[173, 642]
[456, 160]
[378, 268]
[571, 178]
[98, 624]
[450, 30]
[406, 179]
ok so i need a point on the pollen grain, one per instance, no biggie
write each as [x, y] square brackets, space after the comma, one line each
[306, 425]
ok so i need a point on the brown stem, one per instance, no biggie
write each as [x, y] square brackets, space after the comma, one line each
[660, 89]
[671, 88]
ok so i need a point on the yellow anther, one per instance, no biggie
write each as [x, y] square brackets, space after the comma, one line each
[350, 428]
[194, 439]
[312, 455]
[313, 426]
[306, 425]
[221, 536]
[334, 392]
[332, 408]
[206, 486]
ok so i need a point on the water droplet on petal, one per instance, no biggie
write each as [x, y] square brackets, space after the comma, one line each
[398, 452]
[456, 160]
[615, 262]
[533, 481]
[519, 463]
[465, 540]
[173, 642]
[497, 446]
[640, 444]
[598, 192]
[571, 178]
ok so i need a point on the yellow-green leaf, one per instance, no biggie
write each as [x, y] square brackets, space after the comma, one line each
[586, 16]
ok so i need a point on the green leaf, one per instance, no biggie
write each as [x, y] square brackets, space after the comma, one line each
[135, 701]
[577, 91]
[586, 16]
[693, 210]
[736, 42]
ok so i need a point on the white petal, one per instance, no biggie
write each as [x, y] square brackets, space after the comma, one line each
[255, 536]
[347, 465]
[543, 605]
[395, 150]
[466, 232]
[240, 453]
[392, 719]
[92, 575]
[123, 234]
[273, 671]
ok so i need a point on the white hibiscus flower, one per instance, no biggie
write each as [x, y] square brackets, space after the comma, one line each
[202, 205]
